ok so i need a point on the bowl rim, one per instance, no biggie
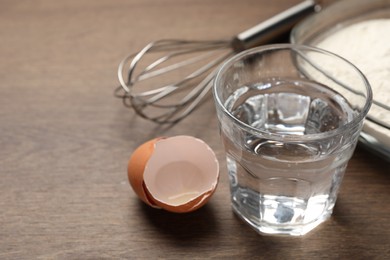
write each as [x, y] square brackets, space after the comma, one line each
[352, 7]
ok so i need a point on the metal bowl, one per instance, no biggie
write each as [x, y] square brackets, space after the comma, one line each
[375, 135]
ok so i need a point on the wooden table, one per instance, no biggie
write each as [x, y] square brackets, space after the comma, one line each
[65, 141]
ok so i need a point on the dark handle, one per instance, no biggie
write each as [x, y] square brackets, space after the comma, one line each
[275, 26]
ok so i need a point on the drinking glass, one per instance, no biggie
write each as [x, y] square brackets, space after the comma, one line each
[289, 118]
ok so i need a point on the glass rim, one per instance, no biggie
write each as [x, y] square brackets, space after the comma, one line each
[291, 137]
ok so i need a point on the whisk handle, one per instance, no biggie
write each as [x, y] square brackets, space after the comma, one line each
[275, 26]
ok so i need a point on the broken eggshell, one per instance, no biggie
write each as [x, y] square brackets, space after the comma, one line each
[178, 174]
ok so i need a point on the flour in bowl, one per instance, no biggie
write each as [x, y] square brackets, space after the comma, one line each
[367, 45]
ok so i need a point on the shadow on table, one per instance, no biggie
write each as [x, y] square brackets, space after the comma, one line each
[184, 227]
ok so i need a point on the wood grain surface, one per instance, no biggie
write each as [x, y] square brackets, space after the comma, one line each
[65, 142]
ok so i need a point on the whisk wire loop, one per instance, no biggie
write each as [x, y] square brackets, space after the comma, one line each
[148, 99]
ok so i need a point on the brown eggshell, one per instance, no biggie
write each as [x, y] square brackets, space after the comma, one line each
[136, 167]
[178, 174]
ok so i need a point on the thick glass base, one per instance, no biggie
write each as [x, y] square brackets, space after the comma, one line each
[266, 229]
[278, 221]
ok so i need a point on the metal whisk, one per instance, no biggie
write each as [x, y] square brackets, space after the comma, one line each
[161, 99]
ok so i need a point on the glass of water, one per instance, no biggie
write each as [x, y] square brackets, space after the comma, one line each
[290, 118]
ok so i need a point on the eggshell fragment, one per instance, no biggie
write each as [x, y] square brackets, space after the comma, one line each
[136, 167]
[178, 174]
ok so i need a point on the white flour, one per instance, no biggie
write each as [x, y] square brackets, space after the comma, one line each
[367, 45]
